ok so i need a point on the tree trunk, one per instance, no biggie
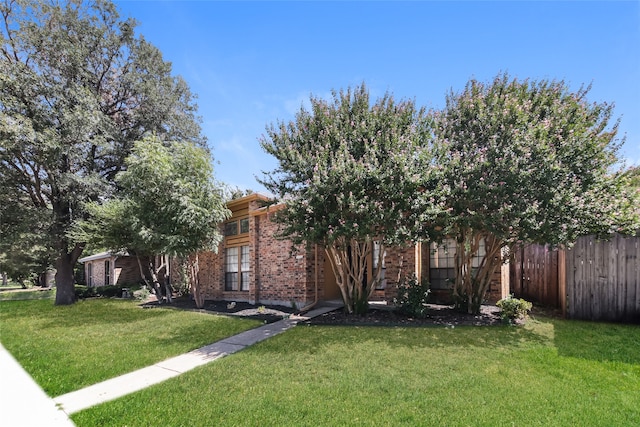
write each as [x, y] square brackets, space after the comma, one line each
[65, 289]
[472, 283]
[155, 282]
[194, 281]
[349, 264]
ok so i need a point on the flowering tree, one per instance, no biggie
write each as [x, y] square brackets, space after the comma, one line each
[347, 173]
[524, 161]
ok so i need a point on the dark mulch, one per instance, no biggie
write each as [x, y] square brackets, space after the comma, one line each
[265, 313]
[437, 315]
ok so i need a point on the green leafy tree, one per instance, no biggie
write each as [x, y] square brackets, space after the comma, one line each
[347, 170]
[168, 205]
[24, 253]
[524, 161]
[77, 88]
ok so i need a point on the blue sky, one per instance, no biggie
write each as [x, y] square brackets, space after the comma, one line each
[255, 63]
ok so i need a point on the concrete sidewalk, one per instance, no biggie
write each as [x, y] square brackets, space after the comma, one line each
[142, 378]
[22, 402]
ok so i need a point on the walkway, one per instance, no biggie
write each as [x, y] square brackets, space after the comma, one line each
[23, 403]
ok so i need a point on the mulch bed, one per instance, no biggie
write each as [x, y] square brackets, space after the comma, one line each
[437, 315]
[264, 313]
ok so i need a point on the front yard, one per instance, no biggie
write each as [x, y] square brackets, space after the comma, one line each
[548, 373]
[70, 347]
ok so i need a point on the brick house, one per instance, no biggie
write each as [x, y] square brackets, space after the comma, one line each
[106, 268]
[252, 266]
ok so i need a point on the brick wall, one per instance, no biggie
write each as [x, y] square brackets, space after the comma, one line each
[96, 278]
[276, 276]
[280, 276]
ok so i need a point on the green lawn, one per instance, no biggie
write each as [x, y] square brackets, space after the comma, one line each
[27, 294]
[547, 373]
[66, 348]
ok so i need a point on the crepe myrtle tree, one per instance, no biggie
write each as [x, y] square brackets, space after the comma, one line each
[168, 205]
[77, 89]
[347, 172]
[524, 161]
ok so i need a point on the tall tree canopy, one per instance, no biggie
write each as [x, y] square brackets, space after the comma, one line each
[168, 204]
[347, 172]
[77, 89]
[524, 161]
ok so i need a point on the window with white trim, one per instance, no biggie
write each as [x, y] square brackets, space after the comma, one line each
[107, 273]
[90, 274]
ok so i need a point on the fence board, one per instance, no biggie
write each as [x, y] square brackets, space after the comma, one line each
[603, 279]
[600, 279]
[632, 271]
[534, 275]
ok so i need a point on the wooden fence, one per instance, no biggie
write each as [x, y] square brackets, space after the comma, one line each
[534, 275]
[594, 280]
[603, 279]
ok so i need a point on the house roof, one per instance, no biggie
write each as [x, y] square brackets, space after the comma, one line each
[101, 255]
[246, 199]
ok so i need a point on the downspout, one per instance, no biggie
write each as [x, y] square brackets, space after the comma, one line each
[315, 280]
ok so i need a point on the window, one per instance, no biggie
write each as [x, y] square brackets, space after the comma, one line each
[244, 268]
[107, 273]
[376, 253]
[90, 274]
[231, 270]
[244, 225]
[237, 268]
[231, 228]
[442, 263]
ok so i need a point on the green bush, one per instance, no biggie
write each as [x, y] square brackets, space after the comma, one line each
[141, 294]
[412, 297]
[110, 291]
[83, 292]
[513, 308]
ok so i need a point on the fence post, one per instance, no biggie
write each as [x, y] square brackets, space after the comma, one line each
[562, 280]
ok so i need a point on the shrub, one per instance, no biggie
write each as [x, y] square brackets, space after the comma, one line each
[141, 294]
[109, 291]
[83, 292]
[412, 297]
[513, 308]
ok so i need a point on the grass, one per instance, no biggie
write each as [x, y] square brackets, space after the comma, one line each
[66, 348]
[27, 294]
[547, 373]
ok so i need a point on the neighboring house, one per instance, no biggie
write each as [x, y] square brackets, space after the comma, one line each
[252, 265]
[106, 268]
